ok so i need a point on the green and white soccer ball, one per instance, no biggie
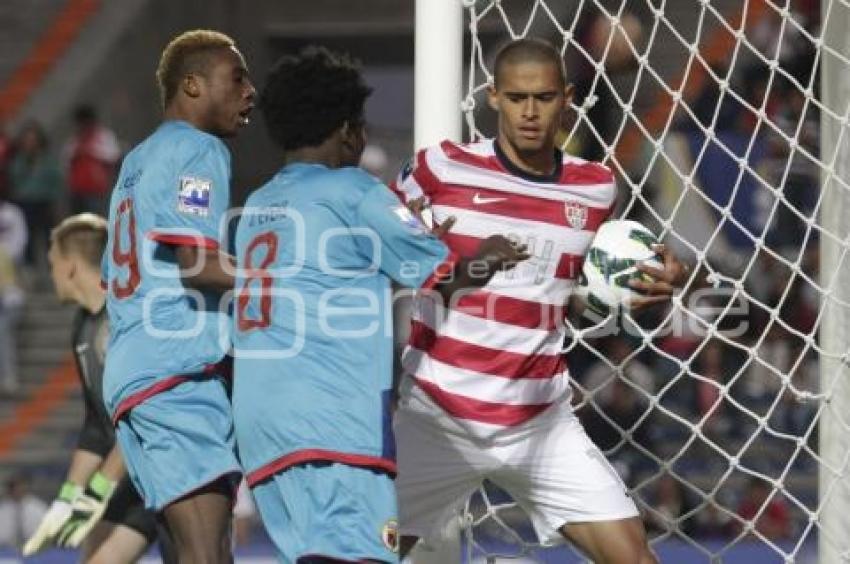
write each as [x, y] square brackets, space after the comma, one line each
[611, 262]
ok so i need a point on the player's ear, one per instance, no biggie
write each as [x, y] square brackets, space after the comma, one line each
[353, 136]
[569, 91]
[191, 85]
[493, 97]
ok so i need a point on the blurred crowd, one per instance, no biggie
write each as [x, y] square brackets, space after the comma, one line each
[40, 182]
[707, 417]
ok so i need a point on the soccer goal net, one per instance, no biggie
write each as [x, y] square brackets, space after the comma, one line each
[727, 413]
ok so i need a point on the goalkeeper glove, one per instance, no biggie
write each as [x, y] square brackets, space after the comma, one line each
[58, 515]
[87, 509]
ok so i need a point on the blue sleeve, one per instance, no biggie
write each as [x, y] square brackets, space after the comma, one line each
[198, 197]
[399, 245]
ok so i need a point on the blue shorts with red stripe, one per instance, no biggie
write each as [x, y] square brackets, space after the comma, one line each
[179, 440]
[330, 510]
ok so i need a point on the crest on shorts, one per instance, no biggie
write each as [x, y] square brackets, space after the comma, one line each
[389, 534]
[576, 214]
[194, 196]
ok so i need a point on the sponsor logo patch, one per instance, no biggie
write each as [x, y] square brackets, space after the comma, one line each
[194, 196]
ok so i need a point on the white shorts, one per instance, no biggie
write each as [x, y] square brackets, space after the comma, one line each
[555, 473]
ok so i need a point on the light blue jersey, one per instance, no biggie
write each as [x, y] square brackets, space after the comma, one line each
[317, 249]
[173, 188]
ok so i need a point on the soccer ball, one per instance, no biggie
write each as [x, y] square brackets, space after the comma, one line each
[612, 261]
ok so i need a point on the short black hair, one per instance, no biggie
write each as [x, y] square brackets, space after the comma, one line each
[528, 50]
[310, 95]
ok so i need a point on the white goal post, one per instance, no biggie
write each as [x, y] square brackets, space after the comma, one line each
[700, 57]
[834, 471]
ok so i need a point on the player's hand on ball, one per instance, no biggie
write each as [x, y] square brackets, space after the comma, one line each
[661, 283]
[88, 508]
[500, 253]
[54, 520]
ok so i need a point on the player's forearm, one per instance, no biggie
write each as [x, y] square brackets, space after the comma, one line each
[113, 466]
[206, 269]
[83, 465]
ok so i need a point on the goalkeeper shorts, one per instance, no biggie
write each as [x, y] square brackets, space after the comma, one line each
[179, 440]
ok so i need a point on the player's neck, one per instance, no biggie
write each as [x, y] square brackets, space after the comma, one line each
[90, 295]
[323, 154]
[541, 163]
[177, 112]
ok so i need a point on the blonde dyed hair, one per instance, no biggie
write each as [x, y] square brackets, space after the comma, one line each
[185, 54]
[84, 235]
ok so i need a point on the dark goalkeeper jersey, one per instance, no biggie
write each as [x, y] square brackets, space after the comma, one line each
[90, 336]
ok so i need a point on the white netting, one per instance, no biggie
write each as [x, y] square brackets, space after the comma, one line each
[725, 122]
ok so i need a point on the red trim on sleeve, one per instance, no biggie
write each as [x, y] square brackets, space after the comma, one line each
[443, 270]
[424, 176]
[319, 455]
[186, 240]
[457, 154]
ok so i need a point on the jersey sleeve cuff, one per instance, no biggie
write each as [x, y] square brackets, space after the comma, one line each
[443, 270]
[184, 239]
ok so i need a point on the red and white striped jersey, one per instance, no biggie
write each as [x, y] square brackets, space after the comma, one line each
[492, 358]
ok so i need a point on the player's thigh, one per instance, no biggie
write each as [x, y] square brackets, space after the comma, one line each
[109, 543]
[127, 509]
[558, 476]
[207, 510]
[621, 541]
[199, 524]
[437, 472]
[331, 511]
[179, 441]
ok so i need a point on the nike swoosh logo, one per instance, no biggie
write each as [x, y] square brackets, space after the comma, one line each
[478, 200]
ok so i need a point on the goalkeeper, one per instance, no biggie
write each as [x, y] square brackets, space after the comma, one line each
[97, 507]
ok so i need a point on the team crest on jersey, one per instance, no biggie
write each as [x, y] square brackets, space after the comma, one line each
[576, 214]
[389, 534]
[194, 196]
